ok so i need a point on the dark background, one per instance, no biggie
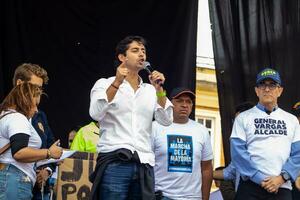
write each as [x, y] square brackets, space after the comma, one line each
[74, 41]
[247, 37]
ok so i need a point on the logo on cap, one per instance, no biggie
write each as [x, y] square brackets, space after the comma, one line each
[268, 72]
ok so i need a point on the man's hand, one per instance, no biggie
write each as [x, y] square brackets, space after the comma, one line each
[272, 184]
[121, 74]
[41, 177]
[157, 79]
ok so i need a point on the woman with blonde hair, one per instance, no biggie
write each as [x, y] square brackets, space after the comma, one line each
[19, 143]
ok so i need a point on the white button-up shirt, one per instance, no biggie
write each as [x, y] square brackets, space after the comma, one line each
[126, 121]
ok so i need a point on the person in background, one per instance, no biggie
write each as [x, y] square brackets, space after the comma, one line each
[71, 137]
[20, 143]
[183, 153]
[35, 74]
[296, 184]
[124, 106]
[86, 138]
[265, 144]
[226, 185]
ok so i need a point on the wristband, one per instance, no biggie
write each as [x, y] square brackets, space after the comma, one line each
[112, 85]
[48, 154]
[161, 94]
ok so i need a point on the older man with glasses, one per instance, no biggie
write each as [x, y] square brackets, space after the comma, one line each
[265, 144]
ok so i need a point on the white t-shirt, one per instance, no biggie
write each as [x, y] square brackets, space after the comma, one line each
[268, 138]
[179, 150]
[10, 125]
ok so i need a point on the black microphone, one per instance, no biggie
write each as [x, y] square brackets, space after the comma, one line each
[149, 70]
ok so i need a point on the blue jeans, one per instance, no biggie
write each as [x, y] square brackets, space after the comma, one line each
[14, 184]
[120, 181]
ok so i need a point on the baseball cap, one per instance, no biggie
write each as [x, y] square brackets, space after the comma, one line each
[296, 109]
[268, 73]
[176, 92]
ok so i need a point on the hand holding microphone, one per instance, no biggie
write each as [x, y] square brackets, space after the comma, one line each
[156, 78]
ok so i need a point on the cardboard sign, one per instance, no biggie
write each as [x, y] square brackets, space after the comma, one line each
[73, 176]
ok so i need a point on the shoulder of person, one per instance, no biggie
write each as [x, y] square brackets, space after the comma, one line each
[104, 81]
[288, 115]
[15, 116]
[40, 114]
[197, 125]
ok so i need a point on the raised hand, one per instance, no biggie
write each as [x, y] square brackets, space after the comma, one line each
[157, 79]
[121, 73]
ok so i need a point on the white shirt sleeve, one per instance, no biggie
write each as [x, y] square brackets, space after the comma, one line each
[207, 153]
[164, 116]
[99, 102]
[238, 129]
[17, 123]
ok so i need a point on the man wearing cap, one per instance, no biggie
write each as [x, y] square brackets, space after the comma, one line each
[183, 153]
[265, 145]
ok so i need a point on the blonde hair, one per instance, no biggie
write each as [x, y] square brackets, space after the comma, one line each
[21, 98]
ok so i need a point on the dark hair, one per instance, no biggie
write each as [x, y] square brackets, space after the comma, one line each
[26, 70]
[123, 46]
[21, 98]
[243, 106]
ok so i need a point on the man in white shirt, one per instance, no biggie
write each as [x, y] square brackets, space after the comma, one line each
[183, 154]
[265, 144]
[124, 106]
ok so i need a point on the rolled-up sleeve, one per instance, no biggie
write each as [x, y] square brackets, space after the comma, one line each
[164, 116]
[99, 103]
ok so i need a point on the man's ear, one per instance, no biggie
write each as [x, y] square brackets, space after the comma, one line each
[19, 81]
[122, 57]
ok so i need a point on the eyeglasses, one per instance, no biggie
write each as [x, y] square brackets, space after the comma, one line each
[271, 86]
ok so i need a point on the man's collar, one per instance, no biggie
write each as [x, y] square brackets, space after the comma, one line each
[263, 108]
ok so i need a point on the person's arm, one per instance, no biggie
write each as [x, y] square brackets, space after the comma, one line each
[163, 113]
[229, 173]
[242, 161]
[227, 189]
[103, 93]
[206, 164]
[207, 175]
[218, 174]
[292, 165]
[121, 74]
[157, 79]
[22, 153]
[240, 156]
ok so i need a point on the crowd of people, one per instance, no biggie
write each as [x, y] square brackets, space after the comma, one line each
[169, 158]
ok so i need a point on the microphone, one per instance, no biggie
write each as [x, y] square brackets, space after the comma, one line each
[147, 67]
[149, 70]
